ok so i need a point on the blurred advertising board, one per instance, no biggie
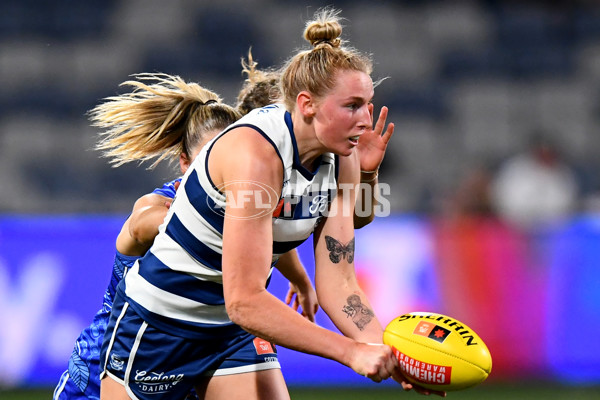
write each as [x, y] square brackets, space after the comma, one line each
[533, 299]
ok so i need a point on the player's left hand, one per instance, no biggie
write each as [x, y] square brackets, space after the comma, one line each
[406, 385]
[373, 142]
[307, 299]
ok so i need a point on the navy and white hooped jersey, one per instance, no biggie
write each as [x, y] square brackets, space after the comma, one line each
[177, 286]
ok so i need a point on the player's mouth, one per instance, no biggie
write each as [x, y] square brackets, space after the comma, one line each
[354, 140]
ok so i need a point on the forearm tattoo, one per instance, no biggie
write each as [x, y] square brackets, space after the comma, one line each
[360, 314]
[338, 251]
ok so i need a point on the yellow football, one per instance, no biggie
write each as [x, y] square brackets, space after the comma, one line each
[438, 352]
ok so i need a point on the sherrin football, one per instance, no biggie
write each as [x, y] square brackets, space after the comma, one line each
[438, 352]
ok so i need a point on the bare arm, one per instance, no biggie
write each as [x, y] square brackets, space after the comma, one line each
[140, 229]
[337, 288]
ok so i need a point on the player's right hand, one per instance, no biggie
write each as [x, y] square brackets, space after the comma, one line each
[377, 362]
[373, 361]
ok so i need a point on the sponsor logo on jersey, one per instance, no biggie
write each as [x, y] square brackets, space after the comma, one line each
[266, 109]
[309, 206]
[263, 347]
[318, 204]
[156, 382]
[116, 363]
[283, 209]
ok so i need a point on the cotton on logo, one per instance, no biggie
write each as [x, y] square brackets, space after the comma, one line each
[246, 200]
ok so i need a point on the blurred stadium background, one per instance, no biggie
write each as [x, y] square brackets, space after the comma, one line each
[467, 84]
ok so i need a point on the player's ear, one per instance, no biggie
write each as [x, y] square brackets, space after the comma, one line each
[184, 162]
[305, 104]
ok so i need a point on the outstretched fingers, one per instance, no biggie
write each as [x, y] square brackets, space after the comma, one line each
[401, 379]
[387, 135]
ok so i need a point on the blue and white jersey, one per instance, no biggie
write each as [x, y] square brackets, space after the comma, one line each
[177, 286]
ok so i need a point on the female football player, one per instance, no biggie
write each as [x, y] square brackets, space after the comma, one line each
[257, 190]
[191, 116]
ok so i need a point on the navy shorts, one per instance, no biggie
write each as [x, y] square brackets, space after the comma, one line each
[153, 364]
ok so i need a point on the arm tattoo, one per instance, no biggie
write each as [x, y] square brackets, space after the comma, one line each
[360, 314]
[338, 251]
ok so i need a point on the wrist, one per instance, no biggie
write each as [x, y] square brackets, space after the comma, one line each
[369, 176]
[300, 283]
[351, 349]
[303, 285]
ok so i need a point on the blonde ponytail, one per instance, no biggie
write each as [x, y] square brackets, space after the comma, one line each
[159, 120]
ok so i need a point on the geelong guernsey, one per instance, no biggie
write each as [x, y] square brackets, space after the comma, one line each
[177, 286]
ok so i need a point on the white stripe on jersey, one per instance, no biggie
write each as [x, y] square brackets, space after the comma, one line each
[181, 261]
[196, 224]
[243, 369]
[170, 304]
[131, 359]
[292, 230]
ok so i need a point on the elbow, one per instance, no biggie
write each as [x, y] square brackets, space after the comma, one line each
[244, 309]
[138, 235]
[237, 310]
[233, 311]
[134, 233]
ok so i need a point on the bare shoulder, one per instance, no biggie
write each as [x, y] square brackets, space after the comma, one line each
[243, 153]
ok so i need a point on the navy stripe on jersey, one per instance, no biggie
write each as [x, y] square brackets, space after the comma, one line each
[203, 203]
[201, 252]
[296, 163]
[184, 328]
[163, 277]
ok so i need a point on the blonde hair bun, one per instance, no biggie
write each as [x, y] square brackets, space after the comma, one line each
[325, 29]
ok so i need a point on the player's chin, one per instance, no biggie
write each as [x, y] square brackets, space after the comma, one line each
[345, 152]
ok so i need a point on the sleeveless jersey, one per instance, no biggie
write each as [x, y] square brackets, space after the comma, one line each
[177, 286]
[83, 372]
